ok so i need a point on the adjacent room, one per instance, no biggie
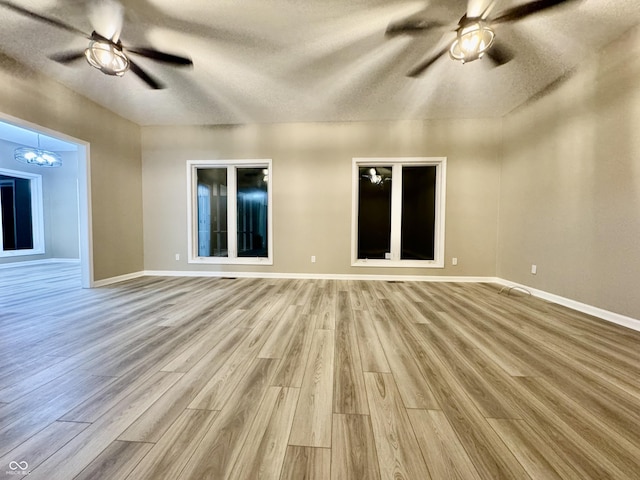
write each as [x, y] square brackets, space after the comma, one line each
[320, 240]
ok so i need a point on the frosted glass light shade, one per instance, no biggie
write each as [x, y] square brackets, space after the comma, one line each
[36, 156]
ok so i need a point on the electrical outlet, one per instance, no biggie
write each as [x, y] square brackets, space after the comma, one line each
[534, 269]
[313, 259]
[177, 256]
[454, 261]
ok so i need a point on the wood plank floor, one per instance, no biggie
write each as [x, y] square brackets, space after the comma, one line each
[196, 378]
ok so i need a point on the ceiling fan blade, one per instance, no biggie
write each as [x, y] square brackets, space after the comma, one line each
[412, 26]
[499, 54]
[144, 76]
[521, 11]
[422, 66]
[160, 56]
[489, 8]
[42, 18]
[67, 57]
[479, 8]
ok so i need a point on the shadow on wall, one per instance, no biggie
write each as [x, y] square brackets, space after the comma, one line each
[571, 184]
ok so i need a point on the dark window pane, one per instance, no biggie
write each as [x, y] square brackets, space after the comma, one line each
[17, 221]
[374, 212]
[418, 213]
[253, 209]
[212, 212]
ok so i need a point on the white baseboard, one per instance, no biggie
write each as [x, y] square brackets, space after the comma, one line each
[318, 276]
[64, 260]
[607, 315]
[567, 302]
[121, 278]
[41, 261]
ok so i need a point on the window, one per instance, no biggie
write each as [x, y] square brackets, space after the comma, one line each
[230, 212]
[21, 227]
[398, 212]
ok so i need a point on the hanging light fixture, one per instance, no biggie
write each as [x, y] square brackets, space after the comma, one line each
[37, 156]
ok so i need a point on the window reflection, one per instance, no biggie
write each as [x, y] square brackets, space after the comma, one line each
[374, 212]
[252, 200]
[212, 212]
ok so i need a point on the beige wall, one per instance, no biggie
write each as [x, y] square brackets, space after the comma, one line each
[312, 188]
[561, 189]
[566, 179]
[570, 197]
[116, 182]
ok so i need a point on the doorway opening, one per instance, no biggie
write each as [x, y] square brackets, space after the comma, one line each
[45, 212]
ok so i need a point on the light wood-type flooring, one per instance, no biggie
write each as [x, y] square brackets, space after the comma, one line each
[204, 378]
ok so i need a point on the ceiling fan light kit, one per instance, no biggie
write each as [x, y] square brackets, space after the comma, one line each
[472, 41]
[374, 177]
[107, 57]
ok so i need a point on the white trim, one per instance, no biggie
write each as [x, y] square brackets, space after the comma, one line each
[319, 276]
[368, 262]
[232, 219]
[601, 313]
[396, 205]
[64, 260]
[190, 211]
[85, 220]
[118, 279]
[441, 210]
[396, 215]
[192, 221]
[37, 214]
[40, 261]
[230, 261]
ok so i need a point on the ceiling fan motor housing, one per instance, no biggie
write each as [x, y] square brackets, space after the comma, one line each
[473, 38]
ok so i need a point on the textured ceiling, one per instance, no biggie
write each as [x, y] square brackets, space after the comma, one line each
[263, 61]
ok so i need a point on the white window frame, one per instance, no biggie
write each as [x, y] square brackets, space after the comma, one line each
[37, 215]
[396, 211]
[232, 210]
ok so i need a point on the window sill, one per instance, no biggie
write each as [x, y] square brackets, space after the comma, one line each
[21, 253]
[398, 263]
[231, 261]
